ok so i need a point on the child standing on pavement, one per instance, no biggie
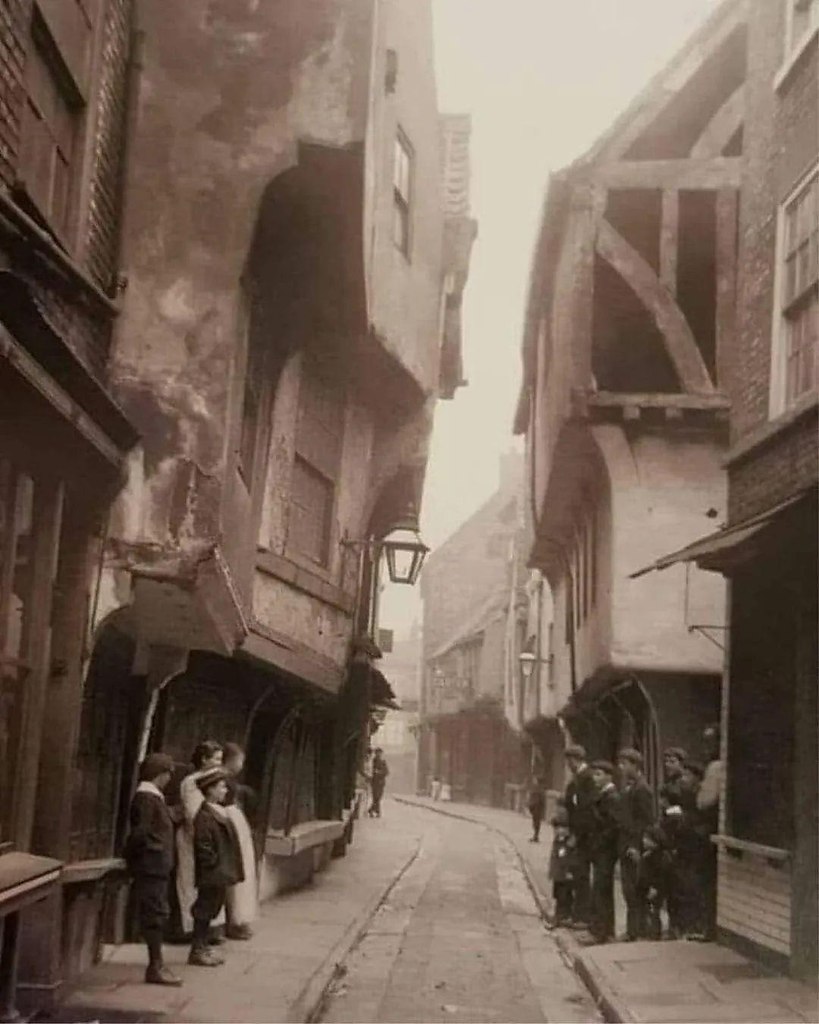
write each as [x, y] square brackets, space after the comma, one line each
[218, 863]
[652, 883]
[149, 854]
[561, 871]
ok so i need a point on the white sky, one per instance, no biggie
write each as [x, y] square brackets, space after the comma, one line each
[541, 79]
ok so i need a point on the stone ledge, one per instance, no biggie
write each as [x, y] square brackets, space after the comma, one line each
[303, 836]
[91, 870]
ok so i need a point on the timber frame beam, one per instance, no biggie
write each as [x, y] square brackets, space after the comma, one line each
[686, 173]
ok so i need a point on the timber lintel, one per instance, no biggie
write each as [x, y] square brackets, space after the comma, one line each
[687, 173]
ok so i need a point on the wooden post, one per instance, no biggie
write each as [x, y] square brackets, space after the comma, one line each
[726, 243]
[61, 711]
[669, 239]
[48, 509]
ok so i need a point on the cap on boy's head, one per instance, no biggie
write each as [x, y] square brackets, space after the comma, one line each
[632, 756]
[603, 766]
[676, 752]
[210, 777]
[155, 765]
[695, 768]
[576, 751]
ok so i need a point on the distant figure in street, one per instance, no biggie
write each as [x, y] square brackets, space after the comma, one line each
[149, 853]
[580, 797]
[435, 788]
[378, 780]
[652, 881]
[604, 839]
[218, 861]
[636, 816]
[707, 801]
[561, 871]
[242, 900]
[207, 755]
[536, 805]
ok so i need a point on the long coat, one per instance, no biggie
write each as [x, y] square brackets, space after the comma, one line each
[581, 795]
[216, 849]
[636, 813]
[149, 849]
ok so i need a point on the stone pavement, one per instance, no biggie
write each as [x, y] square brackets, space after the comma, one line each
[653, 981]
[282, 973]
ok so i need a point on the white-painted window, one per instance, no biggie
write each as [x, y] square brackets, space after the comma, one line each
[402, 192]
[795, 369]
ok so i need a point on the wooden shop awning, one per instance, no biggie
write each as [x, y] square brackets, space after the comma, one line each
[727, 547]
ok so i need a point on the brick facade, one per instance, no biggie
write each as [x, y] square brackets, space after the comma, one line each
[781, 142]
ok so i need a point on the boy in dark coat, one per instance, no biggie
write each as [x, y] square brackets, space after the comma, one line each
[652, 880]
[580, 796]
[561, 871]
[218, 863]
[149, 853]
[604, 850]
[636, 815]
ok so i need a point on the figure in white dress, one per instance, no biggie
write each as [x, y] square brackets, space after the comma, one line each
[243, 898]
[208, 754]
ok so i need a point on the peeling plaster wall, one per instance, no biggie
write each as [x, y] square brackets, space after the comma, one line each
[405, 293]
[226, 88]
[661, 490]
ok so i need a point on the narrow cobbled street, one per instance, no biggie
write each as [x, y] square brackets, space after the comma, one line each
[459, 938]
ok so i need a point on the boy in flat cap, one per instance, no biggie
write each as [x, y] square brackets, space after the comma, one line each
[149, 853]
[218, 863]
[580, 796]
[604, 850]
[636, 815]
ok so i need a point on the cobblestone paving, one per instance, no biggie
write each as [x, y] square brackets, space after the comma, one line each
[460, 939]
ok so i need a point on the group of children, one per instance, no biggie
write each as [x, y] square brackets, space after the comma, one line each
[211, 830]
[666, 858]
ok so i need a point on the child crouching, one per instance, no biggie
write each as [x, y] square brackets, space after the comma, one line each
[561, 871]
[218, 863]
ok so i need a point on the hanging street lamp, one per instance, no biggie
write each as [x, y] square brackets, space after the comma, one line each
[404, 551]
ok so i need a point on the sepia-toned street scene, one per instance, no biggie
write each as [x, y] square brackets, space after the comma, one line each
[408, 511]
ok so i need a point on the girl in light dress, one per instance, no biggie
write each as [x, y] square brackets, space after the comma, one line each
[208, 754]
[243, 898]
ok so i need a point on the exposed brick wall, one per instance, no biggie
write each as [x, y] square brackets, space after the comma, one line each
[775, 471]
[755, 901]
[14, 16]
[781, 139]
[109, 144]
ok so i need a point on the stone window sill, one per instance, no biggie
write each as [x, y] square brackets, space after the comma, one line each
[303, 836]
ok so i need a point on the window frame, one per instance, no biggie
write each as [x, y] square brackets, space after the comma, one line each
[61, 214]
[779, 402]
[402, 197]
[329, 474]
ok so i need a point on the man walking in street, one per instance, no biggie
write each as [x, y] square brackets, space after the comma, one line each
[606, 817]
[636, 817]
[378, 780]
[149, 853]
[537, 807]
[580, 797]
